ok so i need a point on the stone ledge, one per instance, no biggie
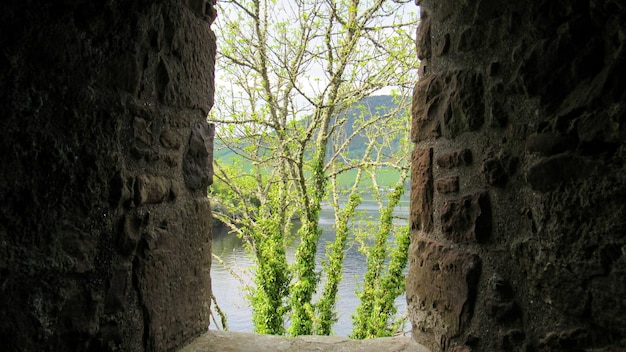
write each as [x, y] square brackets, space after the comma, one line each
[228, 341]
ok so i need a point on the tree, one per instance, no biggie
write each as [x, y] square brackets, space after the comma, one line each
[289, 71]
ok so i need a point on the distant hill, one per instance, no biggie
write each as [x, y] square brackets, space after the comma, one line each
[364, 109]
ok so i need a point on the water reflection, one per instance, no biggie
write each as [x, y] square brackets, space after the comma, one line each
[231, 297]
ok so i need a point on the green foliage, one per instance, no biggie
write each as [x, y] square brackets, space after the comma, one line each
[291, 136]
[335, 254]
[375, 314]
[272, 281]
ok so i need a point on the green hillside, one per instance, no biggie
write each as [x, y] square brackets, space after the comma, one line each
[354, 115]
[362, 112]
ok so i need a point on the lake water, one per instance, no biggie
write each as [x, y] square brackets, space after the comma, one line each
[228, 289]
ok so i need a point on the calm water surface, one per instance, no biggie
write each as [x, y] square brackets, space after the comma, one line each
[231, 297]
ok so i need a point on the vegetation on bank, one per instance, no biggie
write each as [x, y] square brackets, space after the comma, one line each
[298, 127]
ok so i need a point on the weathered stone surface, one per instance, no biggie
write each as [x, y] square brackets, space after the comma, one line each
[468, 39]
[121, 190]
[174, 260]
[447, 184]
[170, 139]
[142, 131]
[422, 190]
[441, 44]
[502, 311]
[455, 158]
[548, 173]
[198, 161]
[600, 128]
[501, 306]
[441, 291]
[118, 289]
[423, 126]
[607, 301]
[423, 41]
[498, 168]
[203, 8]
[456, 102]
[467, 219]
[130, 233]
[555, 341]
[549, 144]
[222, 341]
[512, 339]
[77, 73]
[150, 189]
[92, 257]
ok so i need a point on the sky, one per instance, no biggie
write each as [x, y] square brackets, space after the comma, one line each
[313, 79]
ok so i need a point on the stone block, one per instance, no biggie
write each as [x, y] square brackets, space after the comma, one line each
[198, 159]
[129, 233]
[607, 303]
[573, 339]
[549, 144]
[498, 168]
[118, 289]
[467, 219]
[142, 131]
[126, 72]
[448, 105]
[547, 174]
[423, 126]
[498, 117]
[512, 339]
[203, 9]
[441, 44]
[121, 189]
[465, 104]
[150, 189]
[447, 184]
[502, 311]
[170, 139]
[422, 190]
[469, 39]
[597, 128]
[441, 291]
[455, 158]
[423, 41]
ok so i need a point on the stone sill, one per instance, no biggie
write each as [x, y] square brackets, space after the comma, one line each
[227, 341]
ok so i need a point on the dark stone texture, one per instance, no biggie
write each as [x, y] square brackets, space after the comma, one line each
[96, 254]
[512, 339]
[423, 41]
[442, 292]
[447, 184]
[453, 103]
[498, 168]
[536, 91]
[467, 219]
[170, 140]
[549, 144]
[198, 161]
[502, 311]
[422, 190]
[151, 189]
[455, 158]
[547, 174]
[424, 126]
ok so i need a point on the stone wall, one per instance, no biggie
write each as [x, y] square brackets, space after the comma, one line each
[106, 155]
[518, 196]
[518, 187]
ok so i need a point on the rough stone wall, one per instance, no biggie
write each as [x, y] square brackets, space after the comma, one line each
[106, 156]
[518, 198]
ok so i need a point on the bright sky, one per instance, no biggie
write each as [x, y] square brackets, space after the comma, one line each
[314, 78]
